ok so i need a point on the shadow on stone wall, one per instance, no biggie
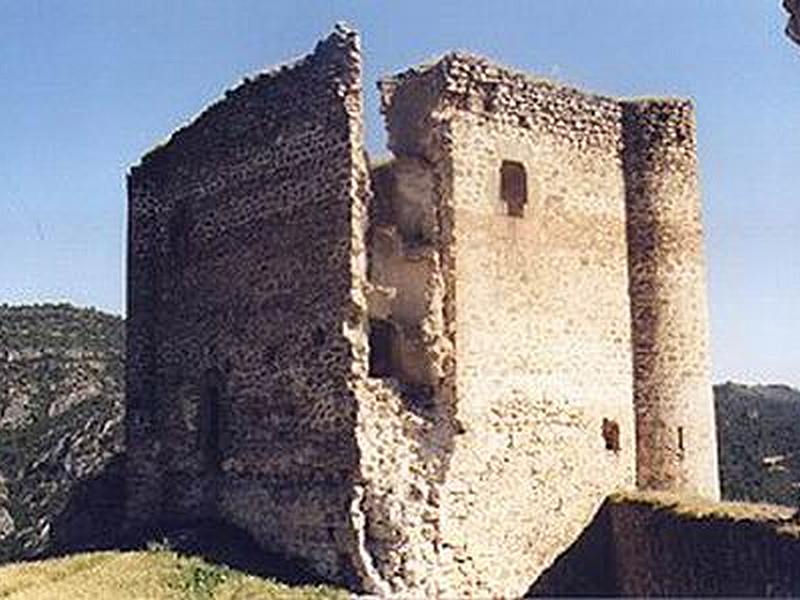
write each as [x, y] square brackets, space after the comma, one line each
[586, 568]
[92, 516]
[92, 520]
[677, 546]
[647, 544]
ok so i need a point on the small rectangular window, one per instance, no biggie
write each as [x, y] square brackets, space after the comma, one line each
[513, 187]
[381, 340]
[680, 439]
[611, 435]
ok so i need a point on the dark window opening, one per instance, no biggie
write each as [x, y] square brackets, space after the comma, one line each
[514, 187]
[680, 439]
[385, 362]
[611, 435]
[209, 417]
[418, 396]
[381, 340]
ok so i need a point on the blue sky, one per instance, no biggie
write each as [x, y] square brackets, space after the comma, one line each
[86, 87]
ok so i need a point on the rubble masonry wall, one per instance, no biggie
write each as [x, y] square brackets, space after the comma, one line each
[246, 267]
[413, 384]
[676, 432]
[540, 313]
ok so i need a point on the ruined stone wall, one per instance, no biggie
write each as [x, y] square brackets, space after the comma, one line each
[246, 270]
[677, 448]
[422, 386]
[666, 547]
[539, 312]
[406, 425]
[403, 454]
[647, 544]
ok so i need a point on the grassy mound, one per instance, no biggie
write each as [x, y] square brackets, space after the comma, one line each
[154, 575]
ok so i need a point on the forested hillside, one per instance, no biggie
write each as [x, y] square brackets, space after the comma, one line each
[61, 406]
[758, 428]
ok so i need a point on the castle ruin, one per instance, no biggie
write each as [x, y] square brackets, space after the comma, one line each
[423, 376]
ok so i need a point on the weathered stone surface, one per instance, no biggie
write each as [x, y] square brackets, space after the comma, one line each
[676, 548]
[538, 312]
[246, 269]
[793, 26]
[653, 544]
[677, 445]
[418, 377]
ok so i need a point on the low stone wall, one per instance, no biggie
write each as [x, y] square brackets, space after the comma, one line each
[658, 545]
[666, 547]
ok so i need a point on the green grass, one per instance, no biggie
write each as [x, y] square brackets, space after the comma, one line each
[149, 575]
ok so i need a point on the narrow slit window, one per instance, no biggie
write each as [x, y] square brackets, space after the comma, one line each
[514, 187]
[680, 439]
[381, 339]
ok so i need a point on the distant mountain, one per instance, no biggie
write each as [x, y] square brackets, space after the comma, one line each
[758, 429]
[61, 407]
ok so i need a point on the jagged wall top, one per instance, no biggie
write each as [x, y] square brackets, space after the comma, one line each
[468, 82]
[474, 84]
[178, 147]
[653, 125]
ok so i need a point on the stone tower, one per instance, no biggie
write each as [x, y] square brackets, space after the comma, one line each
[675, 428]
[528, 186]
[245, 268]
[417, 376]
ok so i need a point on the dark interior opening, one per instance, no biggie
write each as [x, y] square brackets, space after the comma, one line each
[514, 187]
[381, 336]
